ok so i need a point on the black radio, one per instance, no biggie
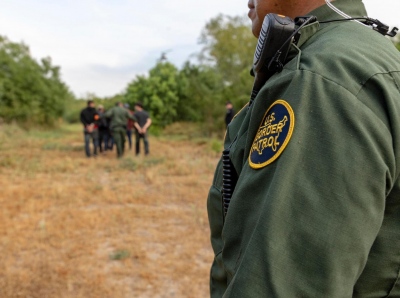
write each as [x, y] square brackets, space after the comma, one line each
[277, 34]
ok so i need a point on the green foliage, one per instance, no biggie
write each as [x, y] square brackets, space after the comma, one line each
[149, 162]
[223, 75]
[397, 43]
[198, 93]
[201, 96]
[216, 146]
[119, 255]
[155, 130]
[8, 162]
[158, 92]
[72, 110]
[229, 45]
[60, 147]
[30, 91]
[183, 131]
[129, 164]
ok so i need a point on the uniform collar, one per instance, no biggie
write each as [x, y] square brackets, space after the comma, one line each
[354, 8]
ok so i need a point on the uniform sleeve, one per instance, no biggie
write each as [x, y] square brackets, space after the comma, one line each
[108, 114]
[218, 275]
[303, 225]
[218, 278]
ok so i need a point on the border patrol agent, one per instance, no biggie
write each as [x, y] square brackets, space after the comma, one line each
[119, 117]
[316, 207]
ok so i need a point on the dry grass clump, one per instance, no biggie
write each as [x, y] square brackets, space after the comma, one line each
[101, 227]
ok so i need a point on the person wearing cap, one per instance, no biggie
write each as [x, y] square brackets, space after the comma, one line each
[129, 126]
[141, 132]
[306, 200]
[119, 117]
[89, 118]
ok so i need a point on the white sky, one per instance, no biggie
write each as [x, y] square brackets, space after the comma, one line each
[101, 45]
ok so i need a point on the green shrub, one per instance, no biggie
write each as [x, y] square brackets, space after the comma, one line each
[128, 164]
[119, 255]
[216, 146]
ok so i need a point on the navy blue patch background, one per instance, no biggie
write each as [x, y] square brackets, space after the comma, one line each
[279, 110]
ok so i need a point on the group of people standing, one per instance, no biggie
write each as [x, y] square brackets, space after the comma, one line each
[106, 128]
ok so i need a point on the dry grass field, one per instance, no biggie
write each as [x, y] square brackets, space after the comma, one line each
[101, 227]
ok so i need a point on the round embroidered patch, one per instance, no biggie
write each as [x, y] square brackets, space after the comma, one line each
[273, 135]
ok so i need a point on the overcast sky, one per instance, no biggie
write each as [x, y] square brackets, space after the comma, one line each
[101, 45]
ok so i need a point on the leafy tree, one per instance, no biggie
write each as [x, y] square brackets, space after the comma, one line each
[229, 45]
[29, 91]
[158, 92]
[200, 97]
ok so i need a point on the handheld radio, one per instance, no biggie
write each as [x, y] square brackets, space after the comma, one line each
[277, 34]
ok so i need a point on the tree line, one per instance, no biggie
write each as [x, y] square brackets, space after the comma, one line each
[32, 91]
[197, 92]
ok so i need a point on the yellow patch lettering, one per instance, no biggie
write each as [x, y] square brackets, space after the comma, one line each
[273, 134]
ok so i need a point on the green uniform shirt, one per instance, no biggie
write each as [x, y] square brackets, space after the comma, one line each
[119, 117]
[316, 208]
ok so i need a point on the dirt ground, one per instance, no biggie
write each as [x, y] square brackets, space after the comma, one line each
[101, 227]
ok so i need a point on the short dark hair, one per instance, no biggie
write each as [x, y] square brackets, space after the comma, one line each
[89, 102]
[139, 104]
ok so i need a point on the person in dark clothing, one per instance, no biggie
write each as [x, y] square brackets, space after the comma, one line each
[109, 144]
[144, 122]
[89, 116]
[104, 131]
[230, 112]
[119, 117]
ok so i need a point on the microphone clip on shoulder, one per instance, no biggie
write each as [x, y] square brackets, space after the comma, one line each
[380, 27]
[375, 24]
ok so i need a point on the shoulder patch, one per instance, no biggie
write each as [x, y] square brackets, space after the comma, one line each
[273, 135]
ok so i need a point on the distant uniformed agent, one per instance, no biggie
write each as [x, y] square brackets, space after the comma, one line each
[316, 207]
[129, 126]
[119, 117]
